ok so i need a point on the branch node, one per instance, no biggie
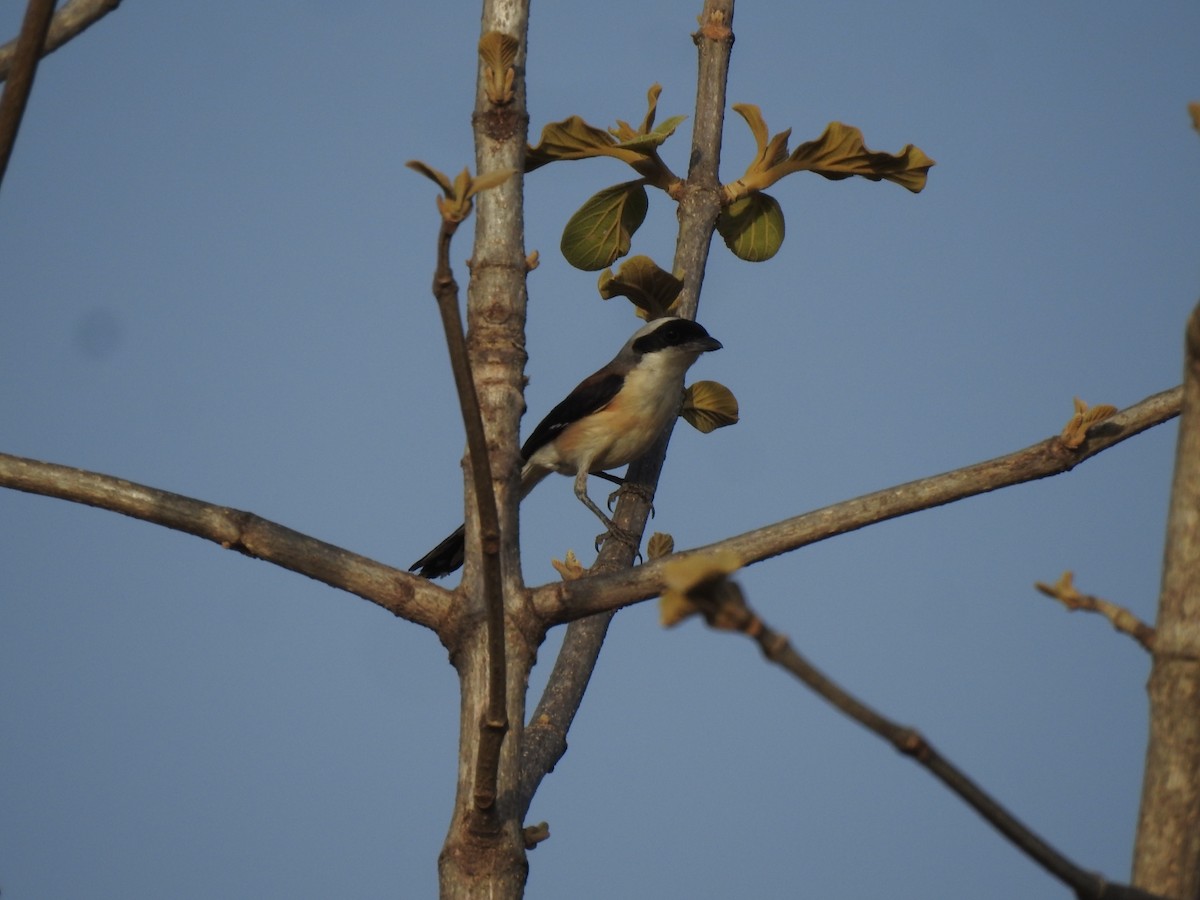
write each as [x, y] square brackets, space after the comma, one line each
[1124, 621]
[1074, 433]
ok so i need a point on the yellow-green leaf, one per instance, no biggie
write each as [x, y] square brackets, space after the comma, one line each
[602, 229]
[455, 202]
[841, 152]
[1074, 433]
[570, 568]
[438, 178]
[838, 153]
[700, 583]
[659, 545]
[709, 405]
[489, 180]
[649, 288]
[752, 227]
[498, 52]
[573, 138]
[651, 107]
[650, 141]
[675, 608]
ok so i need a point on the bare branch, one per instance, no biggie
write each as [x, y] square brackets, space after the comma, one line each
[546, 734]
[484, 850]
[700, 204]
[1123, 620]
[25, 62]
[398, 592]
[1167, 846]
[494, 724]
[72, 20]
[734, 614]
[564, 602]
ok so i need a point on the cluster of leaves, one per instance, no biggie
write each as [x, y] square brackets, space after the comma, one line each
[751, 222]
[458, 195]
[601, 230]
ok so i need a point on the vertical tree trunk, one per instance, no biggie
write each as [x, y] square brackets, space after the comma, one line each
[484, 857]
[1167, 849]
[484, 852]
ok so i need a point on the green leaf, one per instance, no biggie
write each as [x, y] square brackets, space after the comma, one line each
[651, 289]
[602, 229]
[752, 227]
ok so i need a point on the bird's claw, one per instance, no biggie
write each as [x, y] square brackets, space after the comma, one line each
[637, 489]
[628, 538]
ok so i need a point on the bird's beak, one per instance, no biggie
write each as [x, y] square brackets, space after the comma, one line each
[709, 343]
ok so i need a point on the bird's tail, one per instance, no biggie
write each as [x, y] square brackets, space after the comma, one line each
[444, 558]
[447, 556]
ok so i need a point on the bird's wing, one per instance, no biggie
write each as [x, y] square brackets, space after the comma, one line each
[591, 395]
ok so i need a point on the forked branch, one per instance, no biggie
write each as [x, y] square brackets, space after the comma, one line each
[69, 22]
[25, 62]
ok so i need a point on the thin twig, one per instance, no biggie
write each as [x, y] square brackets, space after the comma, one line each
[724, 606]
[1122, 619]
[494, 724]
[69, 22]
[563, 602]
[25, 61]
[396, 591]
[911, 743]
[546, 734]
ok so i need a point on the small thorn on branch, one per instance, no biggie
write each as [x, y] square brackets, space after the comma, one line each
[535, 834]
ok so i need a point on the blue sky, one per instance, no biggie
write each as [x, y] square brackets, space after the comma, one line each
[216, 280]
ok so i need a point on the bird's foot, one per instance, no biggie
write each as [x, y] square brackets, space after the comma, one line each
[637, 490]
[628, 538]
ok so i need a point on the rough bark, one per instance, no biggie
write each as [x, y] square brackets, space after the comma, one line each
[1167, 849]
[484, 851]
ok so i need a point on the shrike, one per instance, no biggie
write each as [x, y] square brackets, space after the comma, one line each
[610, 419]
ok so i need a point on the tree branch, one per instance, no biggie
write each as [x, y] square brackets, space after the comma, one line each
[398, 592]
[730, 610]
[1065, 592]
[546, 734]
[25, 61]
[565, 601]
[484, 851]
[494, 725]
[699, 207]
[69, 22]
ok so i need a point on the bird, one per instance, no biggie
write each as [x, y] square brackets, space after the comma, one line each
[610, 419]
